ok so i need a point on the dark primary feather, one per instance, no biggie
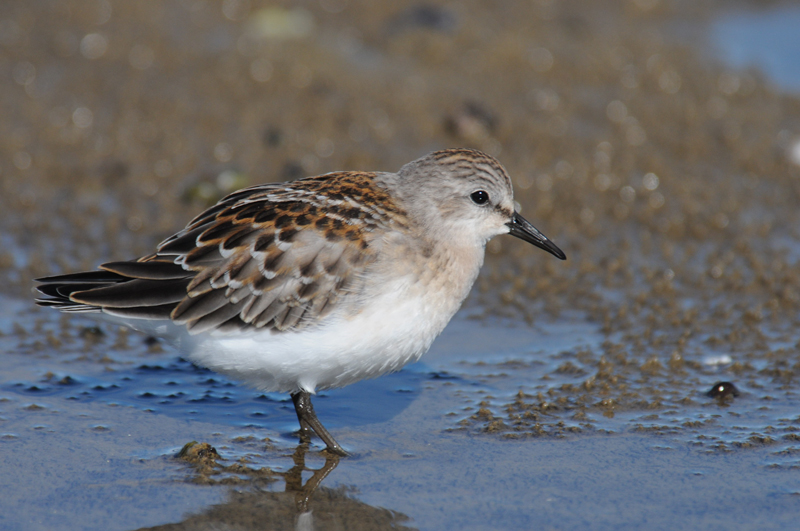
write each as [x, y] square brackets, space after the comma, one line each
[142, 284]
[153, 269]
[134, 293]
[277, 256]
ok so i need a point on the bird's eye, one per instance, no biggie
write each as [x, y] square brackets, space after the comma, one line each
[480, 197]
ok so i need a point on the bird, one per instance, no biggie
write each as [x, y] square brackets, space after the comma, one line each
[316, 283]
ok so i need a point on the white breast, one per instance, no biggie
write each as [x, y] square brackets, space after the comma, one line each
[393, 329]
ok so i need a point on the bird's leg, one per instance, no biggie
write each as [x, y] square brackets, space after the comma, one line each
[302, 402]
[309, 421]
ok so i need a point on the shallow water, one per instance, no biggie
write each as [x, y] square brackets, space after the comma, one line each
[564, 394]
[102, 424]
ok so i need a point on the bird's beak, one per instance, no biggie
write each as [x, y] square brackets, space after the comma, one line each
[522, 229]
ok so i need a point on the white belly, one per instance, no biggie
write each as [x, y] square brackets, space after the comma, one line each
[391, 331]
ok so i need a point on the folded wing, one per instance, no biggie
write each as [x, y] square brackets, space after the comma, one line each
[280, 257]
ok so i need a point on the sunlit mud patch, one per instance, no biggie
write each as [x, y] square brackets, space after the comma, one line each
[618, 385]
[670, 179]
[211, 469]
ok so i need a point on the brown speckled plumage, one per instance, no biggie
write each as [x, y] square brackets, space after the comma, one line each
[278, 256]
[316, 283]
[270, 256]
[281, 256]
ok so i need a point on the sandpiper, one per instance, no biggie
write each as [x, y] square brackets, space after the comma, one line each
[316, 283]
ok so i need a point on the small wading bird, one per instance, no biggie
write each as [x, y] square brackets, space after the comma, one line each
[317, 283]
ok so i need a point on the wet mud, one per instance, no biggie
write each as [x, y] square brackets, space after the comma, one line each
[670, 180]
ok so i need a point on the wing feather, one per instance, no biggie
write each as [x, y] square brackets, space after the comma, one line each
[153, 270]
[134, 293]
[279, 256]
[193, 308]
[214, 319]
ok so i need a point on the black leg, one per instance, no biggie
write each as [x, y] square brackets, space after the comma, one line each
[300, 402]
[309, 421]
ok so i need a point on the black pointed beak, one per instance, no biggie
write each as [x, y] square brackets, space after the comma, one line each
[522, 229]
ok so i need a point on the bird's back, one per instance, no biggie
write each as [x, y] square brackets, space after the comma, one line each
[279, 257]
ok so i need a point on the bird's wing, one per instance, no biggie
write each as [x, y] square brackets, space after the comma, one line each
[271, 256]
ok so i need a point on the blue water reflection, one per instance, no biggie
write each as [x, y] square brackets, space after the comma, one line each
[766, 39]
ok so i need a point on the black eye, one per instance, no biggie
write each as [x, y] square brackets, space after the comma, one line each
[480, 197]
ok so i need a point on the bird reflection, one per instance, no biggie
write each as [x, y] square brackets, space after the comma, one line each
[255, 503]
[294, 477]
